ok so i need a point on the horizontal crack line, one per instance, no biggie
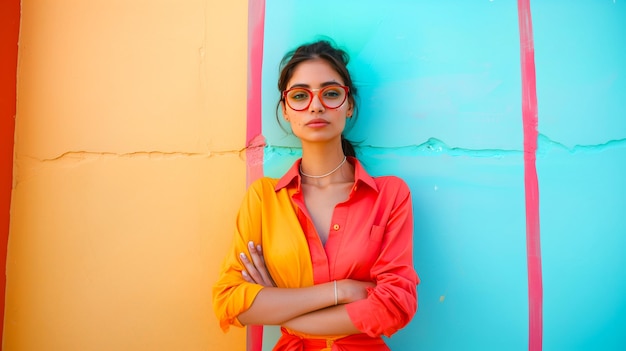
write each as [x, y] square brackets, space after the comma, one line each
[545, 144]
[86, 155]
[434, 146]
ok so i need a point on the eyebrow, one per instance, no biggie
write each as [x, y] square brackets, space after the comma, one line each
[323, 85]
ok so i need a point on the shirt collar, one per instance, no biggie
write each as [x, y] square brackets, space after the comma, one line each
[293, 175]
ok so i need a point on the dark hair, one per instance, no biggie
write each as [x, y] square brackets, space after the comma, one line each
[338, 60]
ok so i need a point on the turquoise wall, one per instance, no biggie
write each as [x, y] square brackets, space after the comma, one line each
[440, 106]
[580, 50]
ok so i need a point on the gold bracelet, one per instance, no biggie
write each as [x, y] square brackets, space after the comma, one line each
[335, 292]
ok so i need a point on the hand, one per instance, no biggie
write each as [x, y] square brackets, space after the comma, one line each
[349, 290]
[256, 271]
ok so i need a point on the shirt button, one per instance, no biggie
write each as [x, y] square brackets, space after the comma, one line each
[336, 227]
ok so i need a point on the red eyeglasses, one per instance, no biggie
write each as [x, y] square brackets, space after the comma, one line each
[332, 97]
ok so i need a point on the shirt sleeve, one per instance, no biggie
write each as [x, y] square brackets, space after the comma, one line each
[393, 302]
[232, 295]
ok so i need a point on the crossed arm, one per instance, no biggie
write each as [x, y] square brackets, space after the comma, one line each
[310, 310]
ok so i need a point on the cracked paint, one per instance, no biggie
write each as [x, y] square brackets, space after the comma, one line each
[436, 147]
[72, 156]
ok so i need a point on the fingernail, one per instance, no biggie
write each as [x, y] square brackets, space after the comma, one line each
[251, 244]
[258, 247]
[245, 274]
[242, 255]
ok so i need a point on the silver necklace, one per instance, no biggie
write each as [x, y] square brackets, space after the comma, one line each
[323, 175]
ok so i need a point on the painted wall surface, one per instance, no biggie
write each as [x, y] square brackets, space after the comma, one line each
[130, 164]
[128, 173]
[581, 163]
[440, 86]
[9, 27]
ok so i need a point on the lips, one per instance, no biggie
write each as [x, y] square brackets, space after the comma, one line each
[318, 122]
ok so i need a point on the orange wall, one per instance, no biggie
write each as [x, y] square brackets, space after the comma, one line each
[128, 173]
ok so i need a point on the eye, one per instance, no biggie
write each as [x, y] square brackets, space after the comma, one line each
[298, 95]
[333, 93]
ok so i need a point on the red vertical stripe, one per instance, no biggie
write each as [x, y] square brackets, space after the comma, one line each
[254, 138]
[530, 120]
[9, 27]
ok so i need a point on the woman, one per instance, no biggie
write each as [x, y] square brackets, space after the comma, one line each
[335, 268]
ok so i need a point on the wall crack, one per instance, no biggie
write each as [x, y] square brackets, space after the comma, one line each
[75, 156]
[437, 147]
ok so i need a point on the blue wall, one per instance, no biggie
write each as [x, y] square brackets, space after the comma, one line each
[580, 50]
[440, 106]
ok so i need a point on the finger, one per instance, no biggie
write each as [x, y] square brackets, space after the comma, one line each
[259, 253]
[253, 273]
[246, 277]
[256, 252]
[259, 263]
[259, 249]
[266, 275]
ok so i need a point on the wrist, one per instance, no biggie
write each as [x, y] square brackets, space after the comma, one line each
[341, 297]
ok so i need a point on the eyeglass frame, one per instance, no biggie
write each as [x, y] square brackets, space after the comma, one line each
[311, 92]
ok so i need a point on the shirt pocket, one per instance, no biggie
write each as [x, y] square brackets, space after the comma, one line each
[376, 233]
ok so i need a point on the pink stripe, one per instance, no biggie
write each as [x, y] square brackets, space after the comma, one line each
[256, 19]
[530, 120]
[254, 138]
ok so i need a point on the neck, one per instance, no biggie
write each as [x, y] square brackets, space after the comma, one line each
[321, 159]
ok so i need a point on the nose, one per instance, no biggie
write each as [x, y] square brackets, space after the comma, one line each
[316, 104]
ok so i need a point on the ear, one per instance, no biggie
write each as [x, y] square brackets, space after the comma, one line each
[350, 110]
[284, 109]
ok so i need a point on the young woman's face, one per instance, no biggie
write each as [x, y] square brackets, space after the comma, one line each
[317, 123]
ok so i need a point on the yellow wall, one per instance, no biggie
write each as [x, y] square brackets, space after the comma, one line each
[128, 172]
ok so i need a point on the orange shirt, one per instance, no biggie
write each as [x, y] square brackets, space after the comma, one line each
[371, 239]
